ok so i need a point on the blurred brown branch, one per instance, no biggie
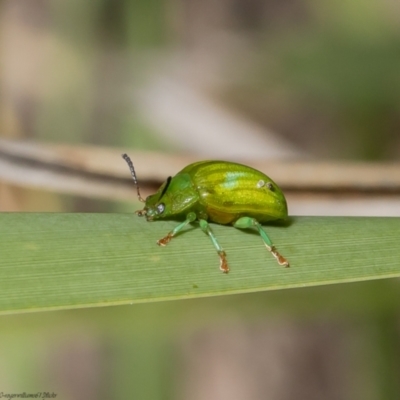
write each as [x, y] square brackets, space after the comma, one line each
[312, 187]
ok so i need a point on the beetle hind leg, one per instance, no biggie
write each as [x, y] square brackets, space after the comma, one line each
[247, 222]
[166, 239]
[223, 264]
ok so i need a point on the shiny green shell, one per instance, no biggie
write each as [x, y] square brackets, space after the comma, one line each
[218, 191]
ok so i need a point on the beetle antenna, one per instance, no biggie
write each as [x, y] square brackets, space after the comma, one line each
[133, 173]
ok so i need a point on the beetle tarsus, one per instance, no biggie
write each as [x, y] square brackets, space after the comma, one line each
[165, 240]
[281, 260]
[223, 264]
[140, 213]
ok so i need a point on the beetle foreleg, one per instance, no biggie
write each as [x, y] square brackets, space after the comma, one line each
[165, 240]
[223, 265]
[247, 222]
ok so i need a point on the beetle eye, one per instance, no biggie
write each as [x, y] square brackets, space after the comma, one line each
[161, 208]
[270, 186]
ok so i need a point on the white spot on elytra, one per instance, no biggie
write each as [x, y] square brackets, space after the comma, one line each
[260, 184]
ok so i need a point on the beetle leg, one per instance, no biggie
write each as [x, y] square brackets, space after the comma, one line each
[247, 222]
[165, 240]
[223, 265]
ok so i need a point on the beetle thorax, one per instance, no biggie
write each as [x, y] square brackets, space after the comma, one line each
[173, 200]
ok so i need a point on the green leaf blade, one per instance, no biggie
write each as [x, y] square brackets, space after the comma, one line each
[58, 261]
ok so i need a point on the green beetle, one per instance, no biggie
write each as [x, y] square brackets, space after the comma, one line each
[216, 191]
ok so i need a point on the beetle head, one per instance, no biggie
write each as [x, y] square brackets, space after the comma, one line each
[156, 206]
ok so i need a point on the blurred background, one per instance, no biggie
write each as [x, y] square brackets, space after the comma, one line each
[234, 79]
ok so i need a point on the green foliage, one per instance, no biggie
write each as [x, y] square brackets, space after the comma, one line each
[54, 261]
